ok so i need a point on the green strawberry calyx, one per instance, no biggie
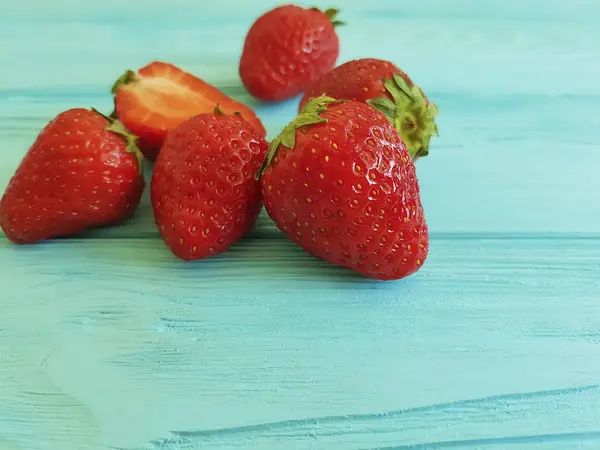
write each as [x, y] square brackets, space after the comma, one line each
[217, 112]
[331, 14]
[128, 77]
[117, 127]
[308, 116]
[410, 112]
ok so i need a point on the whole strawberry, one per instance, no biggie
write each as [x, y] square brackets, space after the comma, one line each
[203, 190]
[384, 86]
[82, 171]
[286, 50]
[340, 183]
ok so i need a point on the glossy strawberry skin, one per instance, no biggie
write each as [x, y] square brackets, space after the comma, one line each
[348, 194]
[204, 193]
[76, 175]
[160, 96]
[388, 89]
[286, 50]
[359, 80]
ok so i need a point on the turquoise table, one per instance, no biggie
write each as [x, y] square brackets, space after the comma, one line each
[108, 341]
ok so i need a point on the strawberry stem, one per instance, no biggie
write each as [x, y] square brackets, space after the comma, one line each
[128, 77]
[116, 126]
[331, 14]
[103, 115]
[217, 112]
[131, 139]
[308, 116]
[412, 115]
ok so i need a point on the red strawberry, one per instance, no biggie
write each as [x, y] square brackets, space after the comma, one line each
[160, 96]
[82, 171]
[204, 194]
[287, 49]
[340, 183]
[387, 88]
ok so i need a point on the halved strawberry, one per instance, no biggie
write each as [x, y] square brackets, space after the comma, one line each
[160, 96]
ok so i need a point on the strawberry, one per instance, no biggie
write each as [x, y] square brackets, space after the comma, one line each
[340, 183]
[160, 96]
[287, 49]
[384, 86]
[82, 171]
[204, 194]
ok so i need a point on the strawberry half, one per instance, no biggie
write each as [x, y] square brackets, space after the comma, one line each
[390, 90]
[160, 96]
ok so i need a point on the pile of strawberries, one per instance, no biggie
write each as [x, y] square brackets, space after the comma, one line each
[339, 180]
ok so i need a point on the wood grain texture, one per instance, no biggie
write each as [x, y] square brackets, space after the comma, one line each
[108, 341]
[496, 341]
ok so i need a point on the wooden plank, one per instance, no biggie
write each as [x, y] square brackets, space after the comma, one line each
[114, 341]
[518, 149]
[107, 340]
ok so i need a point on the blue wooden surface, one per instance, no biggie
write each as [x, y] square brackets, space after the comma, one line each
[108, 340]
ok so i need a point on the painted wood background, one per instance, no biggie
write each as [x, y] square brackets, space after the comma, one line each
[107, 341]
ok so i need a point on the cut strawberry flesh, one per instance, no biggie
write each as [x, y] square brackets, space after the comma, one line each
[161, 96]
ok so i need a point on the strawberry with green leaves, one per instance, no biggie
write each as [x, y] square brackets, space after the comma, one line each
[287, 49]
[387, 88]
[83, 171]
[339, 182]
[203, 191]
